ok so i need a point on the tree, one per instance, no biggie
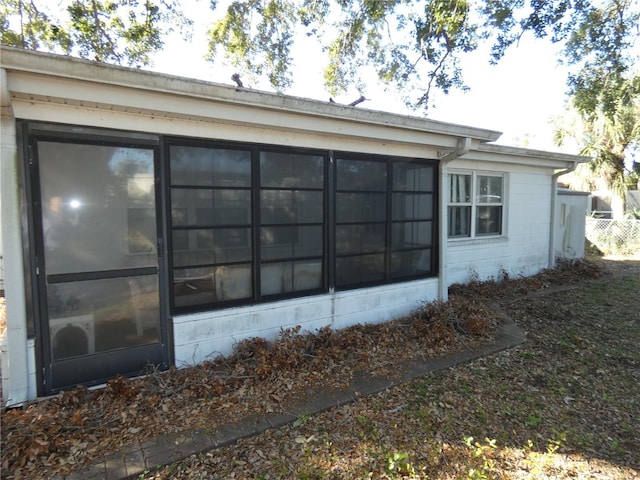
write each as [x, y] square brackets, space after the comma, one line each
[113, 31]
[604, 109]
[413, 46]
[416, 46]
[396, 38]
[612, 139]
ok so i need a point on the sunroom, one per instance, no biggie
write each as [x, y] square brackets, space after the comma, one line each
[151, 219]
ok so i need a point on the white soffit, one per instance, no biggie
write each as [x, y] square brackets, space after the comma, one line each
[46, 78]
[523, 156]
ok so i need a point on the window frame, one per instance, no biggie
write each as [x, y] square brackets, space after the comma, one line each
[298, 227]
[389, 221]
[407, 258]
[474, 204]
[255, 225]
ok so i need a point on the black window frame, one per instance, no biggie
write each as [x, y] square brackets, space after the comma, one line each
[388, 274]
[254, 226]
[330, 250]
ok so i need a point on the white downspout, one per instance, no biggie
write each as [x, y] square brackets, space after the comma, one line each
[554, 201]
[464, 145]
[16, 354]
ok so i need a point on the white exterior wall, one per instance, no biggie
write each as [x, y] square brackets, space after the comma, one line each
[15, 355]
[48, 88]
[204, 336]
[523, 249]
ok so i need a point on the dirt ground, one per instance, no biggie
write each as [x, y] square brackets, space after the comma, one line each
[61, 434]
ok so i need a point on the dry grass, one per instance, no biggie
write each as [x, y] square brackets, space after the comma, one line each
[564, 405]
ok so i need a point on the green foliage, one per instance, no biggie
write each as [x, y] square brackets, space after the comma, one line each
[398, 462]
[486, 468]
[607, 126]
[604, 112]
[257, 37]
[114, 31]
[302, 419]
[414, 47]
[533, 421]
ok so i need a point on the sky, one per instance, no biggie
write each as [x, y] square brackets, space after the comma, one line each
[519, 96]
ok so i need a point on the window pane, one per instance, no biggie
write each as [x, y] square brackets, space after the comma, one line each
[488, 220]
[408, 206]
[286, 206]
[361, 269]
[290, 241]
[489, 189]
[412, 177]
[210, 207]
[307, 275]
[410, 263]
[361, 207]
[459, 221]
[361, 175]
[276, 278]
[208, 246]
[291, 170]
[193, 286]
[98, 208]
[101, 315]
[411, 235]
[352, 239]
[141, 228]
[233, 282]
[210, 167]
[459, 188]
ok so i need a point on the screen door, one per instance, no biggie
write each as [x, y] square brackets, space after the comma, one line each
[97, 261]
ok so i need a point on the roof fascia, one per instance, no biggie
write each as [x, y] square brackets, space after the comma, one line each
[439, 134]
[524, 156]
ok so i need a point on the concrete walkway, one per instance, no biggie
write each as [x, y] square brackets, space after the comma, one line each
[137, 458]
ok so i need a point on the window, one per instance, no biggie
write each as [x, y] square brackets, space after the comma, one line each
[251, 223]
[211, 224]
[291, 222]
[361, 221]
[412, 217]
[475, 205]
[384, 220]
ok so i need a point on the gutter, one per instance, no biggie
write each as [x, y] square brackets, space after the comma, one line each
[554, 200]
[464, 146]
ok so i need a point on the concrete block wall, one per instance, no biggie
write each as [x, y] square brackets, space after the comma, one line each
[203, 336]
[523, 249]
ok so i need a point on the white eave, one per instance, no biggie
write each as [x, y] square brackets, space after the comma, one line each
[36, 78]
[524, 156]
[42, 77]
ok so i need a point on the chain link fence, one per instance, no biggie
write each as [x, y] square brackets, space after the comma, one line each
[614, 237]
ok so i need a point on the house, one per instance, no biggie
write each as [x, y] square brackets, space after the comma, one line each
[152, 219]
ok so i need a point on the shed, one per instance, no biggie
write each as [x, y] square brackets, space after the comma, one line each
[153, 219]
[572, 209]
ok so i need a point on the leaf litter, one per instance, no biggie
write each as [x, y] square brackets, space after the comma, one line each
[562, 391]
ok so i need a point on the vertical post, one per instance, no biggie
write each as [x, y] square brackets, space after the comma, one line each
[16, 356]
[443, 290]
[464, 145]
[554, 201]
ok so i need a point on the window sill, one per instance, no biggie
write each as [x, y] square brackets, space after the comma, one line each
[454, 242]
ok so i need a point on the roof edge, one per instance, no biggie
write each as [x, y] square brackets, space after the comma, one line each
[74, 68]
[532, 153]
